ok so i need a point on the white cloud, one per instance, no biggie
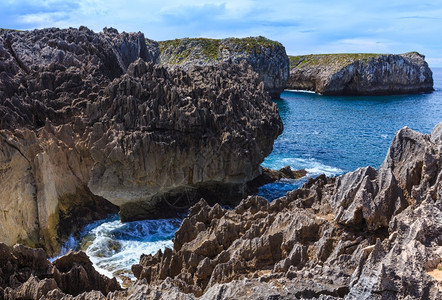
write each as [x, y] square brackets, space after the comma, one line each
[303, 26]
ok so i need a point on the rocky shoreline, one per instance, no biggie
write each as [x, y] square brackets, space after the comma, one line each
[360, 74]
[368, 234]
[95, 123]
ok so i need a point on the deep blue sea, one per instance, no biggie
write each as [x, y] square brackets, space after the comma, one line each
[322, 134]
[338, 134]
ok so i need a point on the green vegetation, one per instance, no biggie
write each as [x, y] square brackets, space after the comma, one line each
[6, 29]
[249, 44]
[338, 60]
[210, 49]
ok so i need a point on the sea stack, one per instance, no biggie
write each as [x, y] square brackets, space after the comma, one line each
[360, 74]
[91, 121]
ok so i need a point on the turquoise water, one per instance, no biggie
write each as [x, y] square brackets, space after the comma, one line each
[322, 134]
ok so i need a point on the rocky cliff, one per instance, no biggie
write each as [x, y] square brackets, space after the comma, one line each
[89, 121]
[360, 74]
[368, 234]
[267, 58]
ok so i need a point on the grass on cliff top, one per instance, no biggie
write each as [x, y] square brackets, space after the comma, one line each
[249, 44]
[7, 29]
[338, 60]
[210, 49]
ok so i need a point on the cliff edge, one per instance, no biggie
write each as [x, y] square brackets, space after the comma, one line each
[90, 124]
[268, 58]
[360, 74]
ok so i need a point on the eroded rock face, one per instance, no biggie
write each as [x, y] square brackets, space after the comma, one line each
[369, 234]
[25, 273]
[267, 58]
[90, 118]
[361, 74]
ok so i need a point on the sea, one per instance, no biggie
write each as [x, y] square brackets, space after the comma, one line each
[328, 135]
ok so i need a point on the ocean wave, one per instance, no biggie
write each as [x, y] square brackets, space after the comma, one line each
[299, 91]
[311, 165]
[113, 247]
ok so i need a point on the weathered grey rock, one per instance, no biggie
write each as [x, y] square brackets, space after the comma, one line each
[196, 137]
[88, 120]
[360, 74]
[267, 58]
[369, 234]
[25, 273]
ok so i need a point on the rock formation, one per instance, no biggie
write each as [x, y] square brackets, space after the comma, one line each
[25, 273]
[268, 176]
[89, 118]
[368, 234]
[360, 74]
[267, 58]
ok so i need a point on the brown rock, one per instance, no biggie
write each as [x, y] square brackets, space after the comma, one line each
[269, 176]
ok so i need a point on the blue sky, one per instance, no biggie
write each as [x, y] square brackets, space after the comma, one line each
[303, 26]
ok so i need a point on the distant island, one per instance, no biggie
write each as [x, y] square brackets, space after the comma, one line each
[360, 74]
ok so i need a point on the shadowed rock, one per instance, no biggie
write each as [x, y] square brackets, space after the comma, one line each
[25, 273]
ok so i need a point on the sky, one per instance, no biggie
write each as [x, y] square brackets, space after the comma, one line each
[302, 26]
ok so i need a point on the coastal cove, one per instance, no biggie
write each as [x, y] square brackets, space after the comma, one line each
[322, 134]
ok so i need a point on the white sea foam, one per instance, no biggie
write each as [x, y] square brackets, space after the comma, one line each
[311, 165]
[299, 91]
[113, 247]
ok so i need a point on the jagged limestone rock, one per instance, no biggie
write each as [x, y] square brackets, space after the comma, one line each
[25, 273]
[89, 118]
[368, 234]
